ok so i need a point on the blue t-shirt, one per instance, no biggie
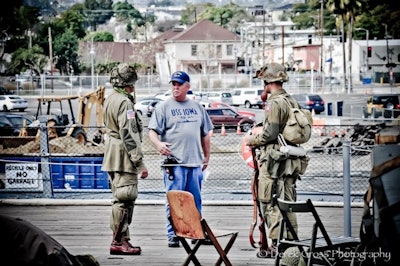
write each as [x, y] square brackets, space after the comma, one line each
[182, 124]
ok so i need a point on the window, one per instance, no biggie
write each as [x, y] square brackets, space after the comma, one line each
[194, 50]
[228, 112]
[236, 93]
[229, 49]
[219, 51]
[214, 112]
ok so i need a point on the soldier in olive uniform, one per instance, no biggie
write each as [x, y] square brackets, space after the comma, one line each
[278, 174]
[123, 158]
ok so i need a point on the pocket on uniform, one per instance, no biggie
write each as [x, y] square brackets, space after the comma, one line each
[126, 193]
[265, 190]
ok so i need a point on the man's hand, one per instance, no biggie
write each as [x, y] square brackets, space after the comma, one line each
[144, 173]
[163, 148]
[248, 139]
[205, 164]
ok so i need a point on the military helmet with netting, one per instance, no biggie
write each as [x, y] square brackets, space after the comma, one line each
[272, 72]
[123, 75]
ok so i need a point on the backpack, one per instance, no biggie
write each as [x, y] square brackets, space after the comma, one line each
[298, 126]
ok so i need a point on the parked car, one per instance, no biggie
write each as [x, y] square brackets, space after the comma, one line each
[6, 127]
[332, 81]
[249, 114]
[168, 93]
[4, 91]
[150, 108]
[141, 106]
[229, 118]
[200, 96]
[219, 96]
[310, 102]
[387, 105]
[11, 124]
[12, 102]
[248, 97]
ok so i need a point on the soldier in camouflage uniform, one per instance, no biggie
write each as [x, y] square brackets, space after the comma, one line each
[123, 158]
[278, 174]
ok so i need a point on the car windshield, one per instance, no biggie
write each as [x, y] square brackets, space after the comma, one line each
[15, 98]
[19, 120]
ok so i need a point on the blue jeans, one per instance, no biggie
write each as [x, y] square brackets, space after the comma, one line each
[187, 179]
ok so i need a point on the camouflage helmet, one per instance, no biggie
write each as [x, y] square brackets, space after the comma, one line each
[123, 75]
[272, 72]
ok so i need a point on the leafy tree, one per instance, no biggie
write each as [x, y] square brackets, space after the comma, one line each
[98, 12]
[189, 14]
[125, 12]
[228, 16]
[66, 30]
[65, 51]
[28, 59]
[15, 20]
[102, 36]
[73, 21]
[301, 14]
[308, 15]
[374, 17]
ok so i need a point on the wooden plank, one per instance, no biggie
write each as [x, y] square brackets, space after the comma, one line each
[84, 229]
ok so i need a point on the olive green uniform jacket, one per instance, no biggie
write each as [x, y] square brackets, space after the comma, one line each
[123, 152]
[276, 116]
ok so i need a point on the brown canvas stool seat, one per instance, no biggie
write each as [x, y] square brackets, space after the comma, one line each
[188, 224]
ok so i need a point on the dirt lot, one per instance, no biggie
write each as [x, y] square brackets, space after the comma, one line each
[64, 145]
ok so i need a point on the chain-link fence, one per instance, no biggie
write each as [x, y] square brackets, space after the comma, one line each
[151, 84]
[63, 167]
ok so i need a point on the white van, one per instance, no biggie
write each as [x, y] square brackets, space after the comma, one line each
[248, 97]
[220, 96]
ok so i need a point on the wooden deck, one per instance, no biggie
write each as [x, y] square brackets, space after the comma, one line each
[82, 228]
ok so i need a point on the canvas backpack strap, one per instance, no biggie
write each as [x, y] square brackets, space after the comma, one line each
[285, 99]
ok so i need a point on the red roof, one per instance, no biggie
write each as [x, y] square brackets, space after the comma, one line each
[205, 30]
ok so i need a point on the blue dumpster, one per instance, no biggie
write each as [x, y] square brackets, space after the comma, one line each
[366, 80]
[72, 172]
[78, 172]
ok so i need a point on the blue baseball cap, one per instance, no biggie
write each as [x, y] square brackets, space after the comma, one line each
[180, 77]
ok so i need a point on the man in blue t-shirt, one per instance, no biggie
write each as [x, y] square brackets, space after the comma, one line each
[179, 129]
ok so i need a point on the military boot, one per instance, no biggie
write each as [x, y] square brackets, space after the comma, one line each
[124, 248]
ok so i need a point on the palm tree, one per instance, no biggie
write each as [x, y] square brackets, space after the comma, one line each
[346, 10]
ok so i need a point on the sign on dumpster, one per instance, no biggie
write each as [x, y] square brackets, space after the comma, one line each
[22, 176]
